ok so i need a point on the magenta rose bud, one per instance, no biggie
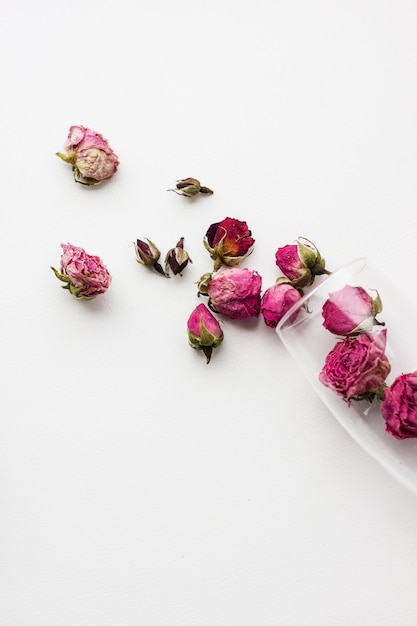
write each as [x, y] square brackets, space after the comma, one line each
[357, 367]
[276, 301]
[204, 332]
[228, 242]
[399, 407]
[350, 311]
[300, 262]
[84, 275]
[90, 155]
[177, 259]
[235, 293]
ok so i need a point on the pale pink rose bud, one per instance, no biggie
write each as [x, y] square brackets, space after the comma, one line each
[236, 293]
[190, 187]
[277, 301]
[351, 311]
[300, 262]
[177, 259]
[148, 254]
[84, 275]
[204, 332]
[90, 155]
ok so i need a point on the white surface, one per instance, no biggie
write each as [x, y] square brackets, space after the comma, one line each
[138, 485]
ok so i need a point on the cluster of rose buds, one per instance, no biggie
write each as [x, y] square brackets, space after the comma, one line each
[176, 259]
[357, 366]
[300, 263]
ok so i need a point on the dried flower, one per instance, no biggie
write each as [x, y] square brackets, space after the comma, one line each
[190, 187]
[148, 254]
[177, 258]
[236, 293]
[228, 242]
[90, 155]
[399, 407]
[204, 332]
[350, 311]
[357, 367]
[84, 275]
[277, 301]
[300, 262]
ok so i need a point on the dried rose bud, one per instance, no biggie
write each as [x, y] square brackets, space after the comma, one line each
[84, 275]
[300, 262]
[148, 254]
[177, 258]
[351, 311]
[357, 367]
[190, 187]
[90, 155]
[236, 293]
[277, 301]
[399, 407]
[204, 332]
[228, 242]
[203, 284]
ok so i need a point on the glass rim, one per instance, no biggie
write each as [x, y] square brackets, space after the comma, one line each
[361, 261]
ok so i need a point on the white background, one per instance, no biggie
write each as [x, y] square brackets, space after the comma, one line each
[140, 486]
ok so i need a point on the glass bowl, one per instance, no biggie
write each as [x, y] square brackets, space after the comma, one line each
[302, 332]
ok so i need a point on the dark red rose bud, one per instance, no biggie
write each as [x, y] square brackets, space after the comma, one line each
[228, 242]
[148, 254]
[177, 258]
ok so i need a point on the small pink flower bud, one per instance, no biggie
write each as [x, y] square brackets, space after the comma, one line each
[300, 263]
[148, 254]
[236, 293]
[351, 311]
[90, 155]
[177, 258]
[276, 301]
[84, 275]
[204, 332]
[190, 187]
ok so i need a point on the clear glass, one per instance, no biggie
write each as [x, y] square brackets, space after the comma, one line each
[309, 342]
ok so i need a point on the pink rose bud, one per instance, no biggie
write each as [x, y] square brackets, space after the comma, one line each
[84, 275]
[90, 155]
[177, 259]
[357, 367]
[148, 254]
[277, 301]
[190, 187]
[399, 407]
[228, 242]
[235, 293]
[350, 311]
[300, 262]
[204, 332]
